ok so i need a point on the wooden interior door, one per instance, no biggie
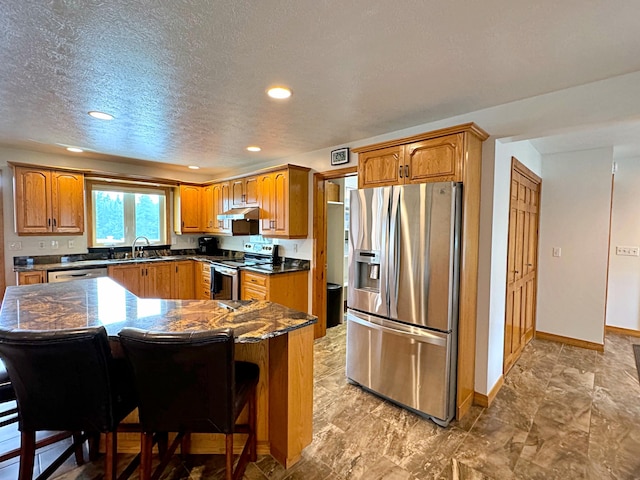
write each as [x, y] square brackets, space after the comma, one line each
[522, 262]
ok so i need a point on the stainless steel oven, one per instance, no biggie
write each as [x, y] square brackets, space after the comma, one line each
[225, 282]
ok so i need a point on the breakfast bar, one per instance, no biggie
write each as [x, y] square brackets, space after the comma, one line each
[278, 339]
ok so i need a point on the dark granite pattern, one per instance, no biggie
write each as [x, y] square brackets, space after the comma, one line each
[101, 301]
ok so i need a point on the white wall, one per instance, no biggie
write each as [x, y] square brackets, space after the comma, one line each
[492, 268]
[575, 208]
[623, 299]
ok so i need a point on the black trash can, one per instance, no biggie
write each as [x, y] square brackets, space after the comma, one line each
[334, 304]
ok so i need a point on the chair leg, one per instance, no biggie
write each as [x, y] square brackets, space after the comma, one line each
[253, 437]
[27, 455]
[79, 454]
[229, 456]
[94, 446]
[111, 458]
[146, 446]
[163, 443]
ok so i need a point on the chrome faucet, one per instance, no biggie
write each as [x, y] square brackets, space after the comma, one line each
[133, 246]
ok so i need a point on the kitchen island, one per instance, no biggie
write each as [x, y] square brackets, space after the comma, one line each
[277, 338]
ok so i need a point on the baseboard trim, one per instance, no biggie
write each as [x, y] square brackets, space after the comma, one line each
[569, 341]
[486, 400]
[622, 331]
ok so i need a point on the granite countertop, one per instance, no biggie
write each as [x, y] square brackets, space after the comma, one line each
[101, 301]
[288, 266]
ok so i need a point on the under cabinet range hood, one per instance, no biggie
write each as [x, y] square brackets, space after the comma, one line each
[244, 221]
[247, 213]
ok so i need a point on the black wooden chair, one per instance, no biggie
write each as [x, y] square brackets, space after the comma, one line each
[67, 380]
[189, 383]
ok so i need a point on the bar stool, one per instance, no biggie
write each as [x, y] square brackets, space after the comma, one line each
[67, 380]
[189, 383]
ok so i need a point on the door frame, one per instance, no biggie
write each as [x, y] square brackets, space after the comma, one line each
[319, 271]
[522, 169]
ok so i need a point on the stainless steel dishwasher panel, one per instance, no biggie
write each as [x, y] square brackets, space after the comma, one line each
[409, 365]
[78, 274]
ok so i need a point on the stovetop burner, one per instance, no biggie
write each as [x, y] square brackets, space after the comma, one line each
[255, 254]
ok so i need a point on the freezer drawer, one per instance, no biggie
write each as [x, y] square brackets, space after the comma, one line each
[408, 365]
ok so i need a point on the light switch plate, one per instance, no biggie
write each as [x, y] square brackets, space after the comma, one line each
[557, 251]
[15, 245]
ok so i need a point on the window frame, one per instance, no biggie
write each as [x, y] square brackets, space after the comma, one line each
[127, 187]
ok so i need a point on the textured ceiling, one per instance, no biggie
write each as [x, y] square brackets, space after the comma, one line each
[186, 79]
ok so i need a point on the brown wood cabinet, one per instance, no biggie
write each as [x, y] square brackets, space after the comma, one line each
[183, 280]
[48, 201]
[202, 281]
[284, 200]
[190, 217]
[288, 289]
[244, 192]
[437, 159]
[208, 220]
[220, 205]
[30, 278]
[145, 280]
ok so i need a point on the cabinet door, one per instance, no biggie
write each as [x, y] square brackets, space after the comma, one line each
[207, 210]
[266, 201]
[190, 208]
[225, 195]
[31, 278]
[436, 160]
[158, 279]
[382, 167]
[67, 202]
[237, 193]
[251, 191]
[129, 276]
[184, 280]
[281, 202]
[221, 205]
[249, 293]
[32, 200]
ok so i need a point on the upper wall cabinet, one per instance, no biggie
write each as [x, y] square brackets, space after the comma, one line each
[244, 192]
[188, 206]
[433, 157]
[48, 201]
[284, 202]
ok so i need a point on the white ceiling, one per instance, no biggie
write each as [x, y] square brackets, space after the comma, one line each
[186, 79]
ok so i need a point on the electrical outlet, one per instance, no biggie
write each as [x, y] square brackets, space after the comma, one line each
[192, 240]
[628, 251]
[71, 243]
[41, 245]
[15, 245]
[54, 244]
[557, 251]
[295, 247]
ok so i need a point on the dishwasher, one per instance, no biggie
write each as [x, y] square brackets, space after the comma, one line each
[80, 274]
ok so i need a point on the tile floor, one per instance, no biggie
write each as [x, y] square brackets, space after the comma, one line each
[564, 413]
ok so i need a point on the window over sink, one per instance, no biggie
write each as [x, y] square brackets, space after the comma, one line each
[121, 212]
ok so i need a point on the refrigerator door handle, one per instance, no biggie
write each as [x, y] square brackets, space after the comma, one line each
[401, 330]
[393, 276]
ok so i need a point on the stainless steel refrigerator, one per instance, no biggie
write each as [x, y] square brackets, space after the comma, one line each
[403, 294]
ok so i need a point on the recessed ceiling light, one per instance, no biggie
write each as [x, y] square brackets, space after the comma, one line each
[254, 148]
[75, 149]
[279, 92]
[101, 115]
[194, 167]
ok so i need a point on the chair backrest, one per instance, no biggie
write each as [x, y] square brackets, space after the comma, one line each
[61, 379]
[185, 381]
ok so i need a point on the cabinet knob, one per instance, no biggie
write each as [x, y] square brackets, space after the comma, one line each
[406, 171]
[400, 171]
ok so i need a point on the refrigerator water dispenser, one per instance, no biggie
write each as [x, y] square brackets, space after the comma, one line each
[368, 270]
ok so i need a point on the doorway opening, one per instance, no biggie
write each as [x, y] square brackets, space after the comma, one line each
[330, 232]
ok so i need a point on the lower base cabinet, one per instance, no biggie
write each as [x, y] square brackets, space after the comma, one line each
[166, 280]
[288, 289]
[30, 278]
